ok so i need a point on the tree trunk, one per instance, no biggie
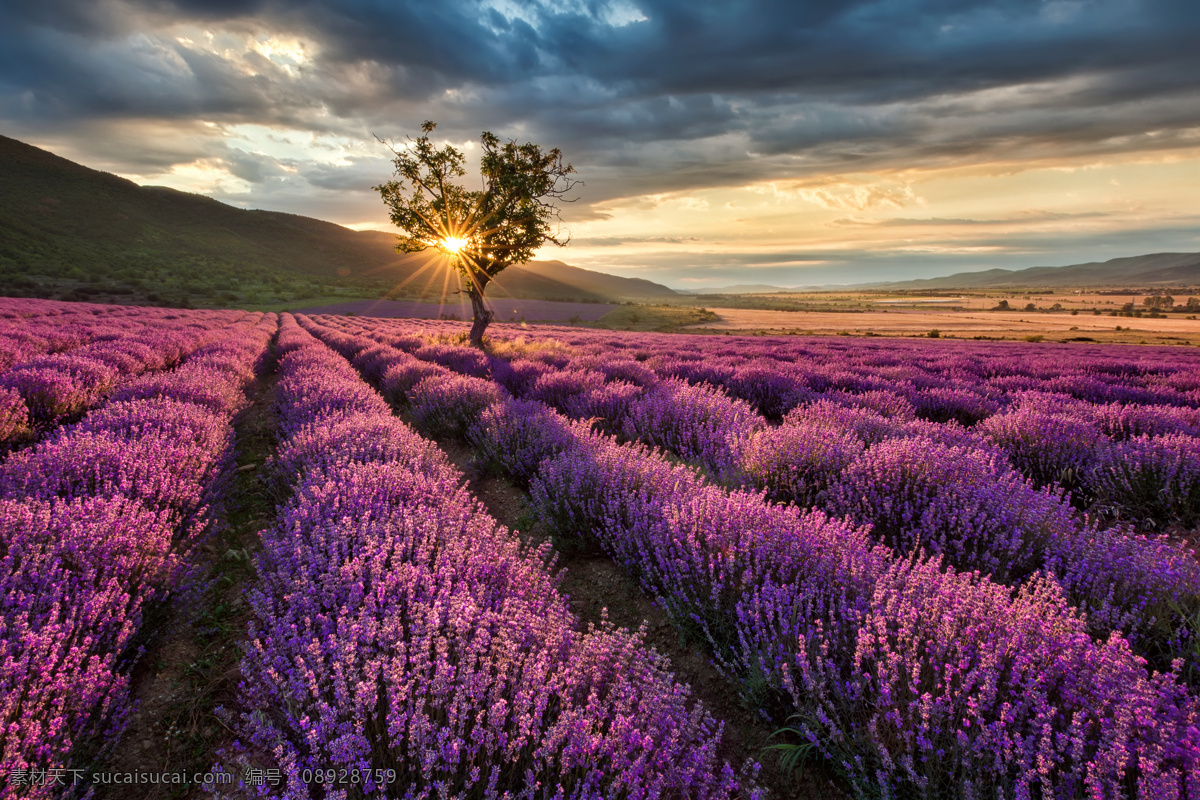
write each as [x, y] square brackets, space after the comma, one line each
[480, 313]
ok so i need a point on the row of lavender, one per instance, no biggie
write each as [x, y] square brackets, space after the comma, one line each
[1110, 425]
[779, 373]
[911, 675]
[918, 484]
[33, 328]
[1115, 426]
[95, 525]
[18, 308]
[82, 356]
[403, 638]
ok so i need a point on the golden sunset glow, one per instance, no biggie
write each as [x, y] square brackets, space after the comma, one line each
[453, 244]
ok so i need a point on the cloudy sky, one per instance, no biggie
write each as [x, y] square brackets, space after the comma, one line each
[787, 142]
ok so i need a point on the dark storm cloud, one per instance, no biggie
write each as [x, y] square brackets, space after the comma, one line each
[255, 167]
[647, 96]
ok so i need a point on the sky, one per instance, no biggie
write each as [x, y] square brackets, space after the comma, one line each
[785, 142]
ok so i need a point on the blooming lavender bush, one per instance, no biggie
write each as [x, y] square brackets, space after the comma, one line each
[864, 423]
[331, 442]
[698, 423]
[797, 461]
[447, 405]
[966, 503]
[15, 424]
[573, 491]
[464, 360]
[57, 386]
[1048, 447]
[605, 406]
[626, 371]
[890, 404]
[521, 375]
[513, 438]
[373, 361]
[1003, 696]
[1154, 478]
[210, 389]
[769, 390]
[398, 380]
[943, 404]
[559, 388]
[1128, 421]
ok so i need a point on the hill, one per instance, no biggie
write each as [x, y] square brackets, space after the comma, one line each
[1148, 271]
[73, 232]
[742, 288]
[580, 281]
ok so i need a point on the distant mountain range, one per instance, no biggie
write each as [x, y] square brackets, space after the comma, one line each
[68, 230]
[1148, 271]
[742, 288]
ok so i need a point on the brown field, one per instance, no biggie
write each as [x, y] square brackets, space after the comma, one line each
[965, 323]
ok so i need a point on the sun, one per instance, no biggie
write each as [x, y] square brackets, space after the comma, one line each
[453, 244]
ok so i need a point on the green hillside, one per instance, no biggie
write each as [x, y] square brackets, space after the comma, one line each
[71, 232]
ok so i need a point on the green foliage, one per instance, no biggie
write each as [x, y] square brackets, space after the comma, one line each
[660, 318]
[501, 224]
[67, 231]
[481, 231]
[793, 756]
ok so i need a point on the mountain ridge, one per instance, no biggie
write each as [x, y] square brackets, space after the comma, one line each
[1146, 271]
[78, 233]
[1149, 270]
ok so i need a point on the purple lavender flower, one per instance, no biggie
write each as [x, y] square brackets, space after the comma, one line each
[698, 423]
[1154, 478]
[447, 405]
[797, 461]
[514, 437]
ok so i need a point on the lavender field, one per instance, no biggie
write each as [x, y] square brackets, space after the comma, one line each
[941, 569]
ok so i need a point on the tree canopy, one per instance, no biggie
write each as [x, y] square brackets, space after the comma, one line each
[481, 231]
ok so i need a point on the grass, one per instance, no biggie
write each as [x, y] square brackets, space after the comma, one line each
[659, 318]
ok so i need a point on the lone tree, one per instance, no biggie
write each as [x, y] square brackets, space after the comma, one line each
[482, 231]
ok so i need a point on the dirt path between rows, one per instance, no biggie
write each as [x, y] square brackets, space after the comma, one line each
[192, 665]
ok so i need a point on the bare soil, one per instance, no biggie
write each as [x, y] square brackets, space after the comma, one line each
[967, 324]
[192, 667]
